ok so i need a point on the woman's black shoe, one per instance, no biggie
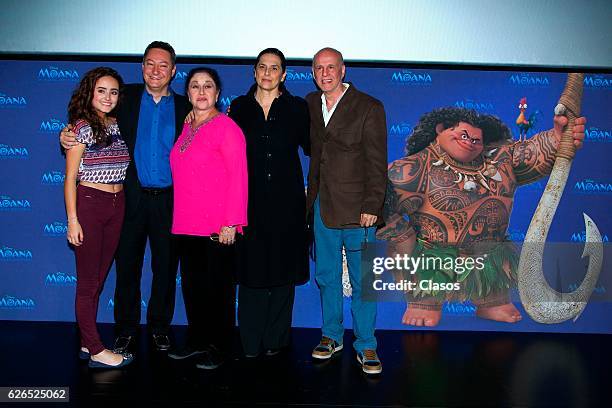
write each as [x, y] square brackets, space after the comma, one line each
[210, 359]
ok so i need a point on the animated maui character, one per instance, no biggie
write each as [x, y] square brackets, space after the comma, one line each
[452, 196]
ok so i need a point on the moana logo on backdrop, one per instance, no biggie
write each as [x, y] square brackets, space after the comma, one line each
[56, 74]
[55, 229]
[12, 302]
[455, 308]
[8, 101]
[525, 79]
[10, 152]
[597, 81]
[180, 76]
[12, 254]
[51, 126]
[400, 129]
[407, 77]
[582, 237]
[476, 105]
[53, 178]
[298, 76]
[111, 304]
[589, 186]
[226, 101]
[60, 279]
[8, 203]
[594, 134]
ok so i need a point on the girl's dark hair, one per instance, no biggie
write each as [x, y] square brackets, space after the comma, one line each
[207, 70]
[80, 106]
[493, 129]
[280, 55]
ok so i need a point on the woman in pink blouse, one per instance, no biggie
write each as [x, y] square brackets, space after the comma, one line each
[209, 173]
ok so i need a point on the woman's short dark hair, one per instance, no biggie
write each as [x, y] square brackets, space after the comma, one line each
[80, 106]
[493, 129]
[206, 70]
[273, 51]
[283, 60]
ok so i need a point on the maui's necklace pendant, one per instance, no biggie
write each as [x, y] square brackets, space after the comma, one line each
[469, 185]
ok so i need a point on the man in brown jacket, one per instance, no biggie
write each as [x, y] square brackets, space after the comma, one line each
[346, 187]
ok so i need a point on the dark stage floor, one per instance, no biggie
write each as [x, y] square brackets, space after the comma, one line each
[420, 369]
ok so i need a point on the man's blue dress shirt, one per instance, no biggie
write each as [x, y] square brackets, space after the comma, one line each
[155, 137]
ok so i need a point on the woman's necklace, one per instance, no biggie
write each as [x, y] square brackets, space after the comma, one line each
[192, 132]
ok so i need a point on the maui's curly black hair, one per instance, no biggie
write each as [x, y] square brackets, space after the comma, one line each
[493, 129]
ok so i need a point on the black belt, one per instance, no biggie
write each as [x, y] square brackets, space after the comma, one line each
[156, 191]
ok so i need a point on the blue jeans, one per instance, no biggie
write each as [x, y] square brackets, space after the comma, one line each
[329, 242]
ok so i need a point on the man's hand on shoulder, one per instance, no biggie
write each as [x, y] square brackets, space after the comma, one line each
[67, 137]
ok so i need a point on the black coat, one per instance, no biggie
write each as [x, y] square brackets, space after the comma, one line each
[274, 249]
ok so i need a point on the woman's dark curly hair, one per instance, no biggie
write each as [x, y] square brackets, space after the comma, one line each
[493, 129]
[80, 106]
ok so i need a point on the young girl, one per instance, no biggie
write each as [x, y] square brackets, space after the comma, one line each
[95, 207]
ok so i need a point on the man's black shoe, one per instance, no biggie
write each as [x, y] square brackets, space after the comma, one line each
[122, 344]
[161, 342]
[210, 359]
[185, 352]
[273, 352]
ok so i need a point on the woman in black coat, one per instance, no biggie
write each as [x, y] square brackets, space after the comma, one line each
[273, 254]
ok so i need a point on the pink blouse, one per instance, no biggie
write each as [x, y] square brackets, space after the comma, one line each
[210, 179]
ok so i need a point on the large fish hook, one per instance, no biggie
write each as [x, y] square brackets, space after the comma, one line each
[543, 303]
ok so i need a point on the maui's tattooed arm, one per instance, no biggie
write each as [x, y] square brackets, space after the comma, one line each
[534, 158]
[403, 198]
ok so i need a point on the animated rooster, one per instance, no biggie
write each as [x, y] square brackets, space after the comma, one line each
[523, 124]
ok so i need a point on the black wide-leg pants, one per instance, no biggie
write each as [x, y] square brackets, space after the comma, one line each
[264, 317]
[209, 291]
[151, 221]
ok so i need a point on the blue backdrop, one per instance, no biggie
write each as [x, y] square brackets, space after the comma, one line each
[37, 272]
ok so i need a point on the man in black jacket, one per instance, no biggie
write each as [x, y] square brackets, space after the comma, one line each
[150, 117]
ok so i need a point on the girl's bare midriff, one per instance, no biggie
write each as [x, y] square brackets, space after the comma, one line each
[109, 188]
